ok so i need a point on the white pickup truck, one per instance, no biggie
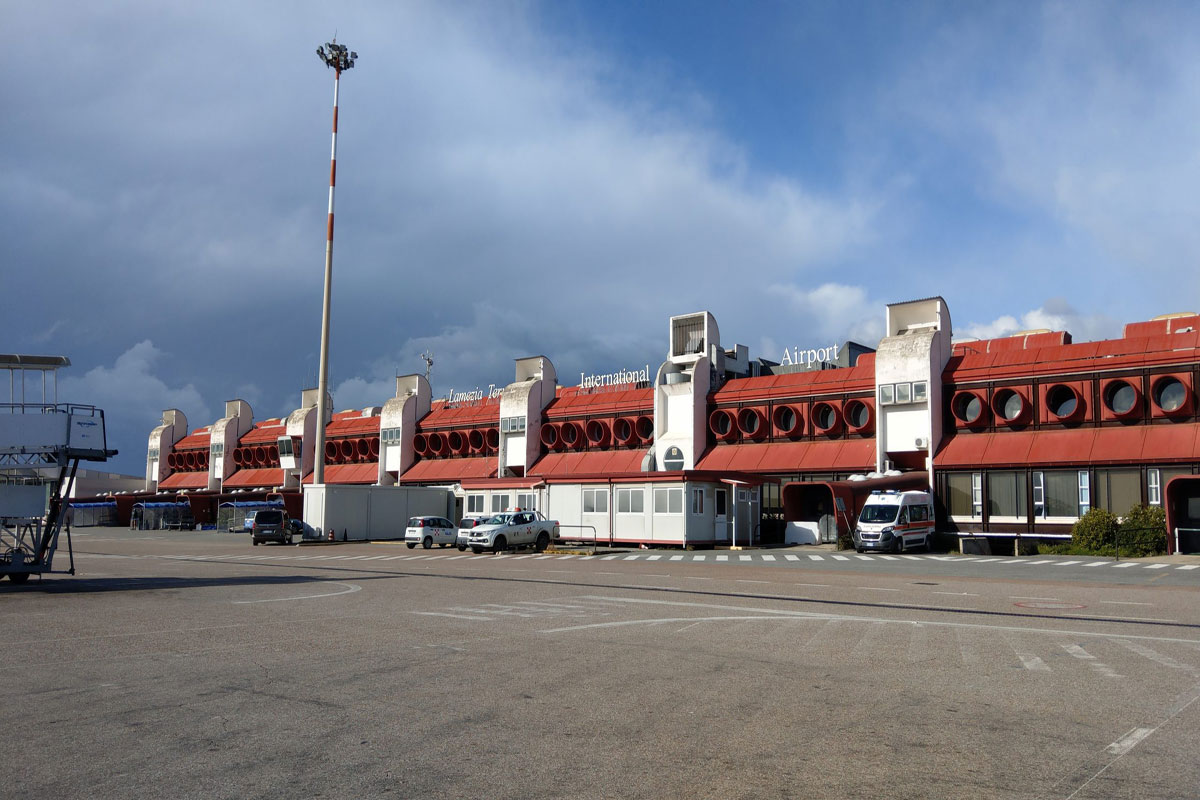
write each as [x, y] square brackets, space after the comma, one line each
[513, 529]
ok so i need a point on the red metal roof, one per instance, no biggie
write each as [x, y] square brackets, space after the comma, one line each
[246, 478]
[265, 432]
[475, 413]
[195, 440]
[574, 401]
[1135, 444]
[351, 423]
[185, 480]
[589, 462]
[501, 483]
[348, 473]
[842, 455]
[971, 363]
[446, 470]
[798, 384]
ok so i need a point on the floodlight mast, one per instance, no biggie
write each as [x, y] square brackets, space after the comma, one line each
[338, 57]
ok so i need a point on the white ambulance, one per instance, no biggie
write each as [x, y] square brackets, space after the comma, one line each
[895, 521]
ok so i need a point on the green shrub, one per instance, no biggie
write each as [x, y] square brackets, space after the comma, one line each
[1095, 530]
[1144, 531]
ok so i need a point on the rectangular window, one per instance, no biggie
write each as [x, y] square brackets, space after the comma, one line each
[960, 494]
[1006, 494]
[1153, 487]
[498, 501]
[1085, 492]
[1118, 490]
[512, 424]
[1039, 495]
[887, 394]
[629, 501]
[976, 494]
[903, 393]
[697, 501]
[285, 446]
[474, 504]
[527, 502]
[668, 501]
[920, 391]
[595, 501]
[153, 454]
[1062, 492]
[719, 503]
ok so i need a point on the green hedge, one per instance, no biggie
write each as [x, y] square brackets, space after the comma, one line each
[1142, 532]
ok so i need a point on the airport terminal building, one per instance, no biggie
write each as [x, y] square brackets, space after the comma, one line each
[1016, 437]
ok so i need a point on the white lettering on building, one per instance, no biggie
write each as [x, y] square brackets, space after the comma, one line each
[474, 395]
[620, 377]
[810, 356]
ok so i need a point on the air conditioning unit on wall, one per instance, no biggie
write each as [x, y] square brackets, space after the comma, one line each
[921, 443]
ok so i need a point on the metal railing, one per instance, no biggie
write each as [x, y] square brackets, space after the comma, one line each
[593, 529]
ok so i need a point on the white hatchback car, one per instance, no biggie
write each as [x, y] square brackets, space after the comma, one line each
[428, 531]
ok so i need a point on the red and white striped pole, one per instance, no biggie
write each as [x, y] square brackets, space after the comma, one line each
[338, 58]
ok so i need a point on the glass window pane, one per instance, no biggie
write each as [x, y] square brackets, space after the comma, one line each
[1062, 493]
[1006, 494]
[660, 501]
[959, 495]
[676, 502]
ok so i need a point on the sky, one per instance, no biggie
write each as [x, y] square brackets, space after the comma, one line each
[559, 178]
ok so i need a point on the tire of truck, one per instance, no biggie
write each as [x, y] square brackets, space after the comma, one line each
[462, 548]
[411, 545]
[543, 541]
[476, 550]
[289, 539]
[501, 545]
[254, 542]
[427, 542]
[18, 577]
[899, 546]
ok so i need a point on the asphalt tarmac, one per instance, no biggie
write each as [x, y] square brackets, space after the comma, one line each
[193, 665]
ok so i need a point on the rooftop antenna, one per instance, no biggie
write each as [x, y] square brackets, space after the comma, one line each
[427, 357]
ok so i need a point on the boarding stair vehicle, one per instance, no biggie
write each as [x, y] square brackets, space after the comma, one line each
[41, 445]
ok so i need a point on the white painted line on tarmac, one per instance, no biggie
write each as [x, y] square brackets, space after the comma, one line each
[877, 589]
[454, 558]
[1032, 662]
[609, 558]
[788, 615]
[768, 558]
[912, 558]
[1041, 561]
[653, 558]
[1157, 566]
[350, 589]
[699, 558]
[632, 558]
[840, 558]
[1066, 563]
[677, 558]
[745, 558]
[791, 557]
[1190, 566]
[1122, 619]
[1095, 563]
[1126, 564]
[452, 616]
[1124, 603]
[863, 558]
[1129, 741]
[722, 558]
[1023, 597]
[884, 557]
[959, 594]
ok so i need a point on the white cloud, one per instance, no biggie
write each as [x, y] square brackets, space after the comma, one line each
[834, 311]
[1055, 315]
[131, 395]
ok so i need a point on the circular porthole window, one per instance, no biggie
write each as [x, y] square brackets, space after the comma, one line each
[1170, 394]
[858, 414]
[673, 459]
[721, 423]
[1062, 401]
[785, 419]
[1120, 397]
[1008, 404]
[968, 407]
[825, 417]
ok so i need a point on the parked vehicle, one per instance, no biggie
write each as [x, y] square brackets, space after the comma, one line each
[464, 530]
[513, 529]
[271, 525]
[428, 531]
[895, 521]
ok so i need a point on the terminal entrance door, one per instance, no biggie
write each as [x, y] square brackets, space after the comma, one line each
[721, 515]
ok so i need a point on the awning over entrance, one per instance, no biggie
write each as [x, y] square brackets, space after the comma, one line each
[449, 470]
[185, 480]
[828, 509]
[266, 477]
